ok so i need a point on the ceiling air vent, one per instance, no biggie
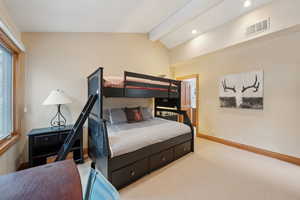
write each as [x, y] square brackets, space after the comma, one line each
[259, 27]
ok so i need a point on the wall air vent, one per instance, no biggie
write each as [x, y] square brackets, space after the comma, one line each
[259, 27]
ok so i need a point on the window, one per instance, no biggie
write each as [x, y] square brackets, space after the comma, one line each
[6, 91]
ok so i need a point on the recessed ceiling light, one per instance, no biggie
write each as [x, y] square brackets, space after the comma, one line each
[194, 31]
[247, 3]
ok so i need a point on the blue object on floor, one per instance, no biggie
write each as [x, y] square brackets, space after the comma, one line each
[99, 188]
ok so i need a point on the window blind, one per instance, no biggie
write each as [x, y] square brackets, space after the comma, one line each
[6, 88]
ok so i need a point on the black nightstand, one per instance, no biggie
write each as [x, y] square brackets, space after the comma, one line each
[46, 142]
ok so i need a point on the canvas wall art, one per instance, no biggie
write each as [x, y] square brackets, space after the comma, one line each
[243, 90]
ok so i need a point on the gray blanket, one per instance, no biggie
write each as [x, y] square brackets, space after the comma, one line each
[125, 138]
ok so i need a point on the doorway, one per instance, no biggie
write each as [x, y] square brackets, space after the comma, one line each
[190, 98]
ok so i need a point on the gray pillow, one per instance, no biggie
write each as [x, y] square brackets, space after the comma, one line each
[117, 116]
[147, 113]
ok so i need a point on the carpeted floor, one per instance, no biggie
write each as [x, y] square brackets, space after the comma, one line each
[216, 172]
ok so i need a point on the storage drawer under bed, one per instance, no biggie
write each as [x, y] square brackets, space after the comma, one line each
[161, 159]
[126, 175]
[182, 149]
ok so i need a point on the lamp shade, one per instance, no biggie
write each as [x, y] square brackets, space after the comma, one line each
[57, 97]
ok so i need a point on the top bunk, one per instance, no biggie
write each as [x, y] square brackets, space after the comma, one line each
[135, 85]
[167, 92]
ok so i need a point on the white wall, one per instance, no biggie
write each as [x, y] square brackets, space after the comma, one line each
[9, 161]
[276, 127]
[283, 14]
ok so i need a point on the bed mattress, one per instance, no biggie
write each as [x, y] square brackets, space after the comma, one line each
[125, 138]
[118, 82]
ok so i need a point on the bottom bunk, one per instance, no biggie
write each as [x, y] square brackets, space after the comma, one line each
[129, 153]
[127, 168]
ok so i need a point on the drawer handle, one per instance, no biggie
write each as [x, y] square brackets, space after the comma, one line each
[132, 173]
[184, 149]
[46, 139]
[163, 158]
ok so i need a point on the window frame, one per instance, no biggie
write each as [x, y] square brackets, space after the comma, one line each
[12, 93]
[14, 136]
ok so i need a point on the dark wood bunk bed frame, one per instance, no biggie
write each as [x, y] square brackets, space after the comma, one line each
[125, 169]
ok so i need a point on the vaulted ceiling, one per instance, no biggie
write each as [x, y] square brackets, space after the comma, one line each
[170, 21]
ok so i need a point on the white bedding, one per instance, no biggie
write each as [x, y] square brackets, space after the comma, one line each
[125, 138]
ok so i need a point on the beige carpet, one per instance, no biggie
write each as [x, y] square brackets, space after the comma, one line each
[216, 172]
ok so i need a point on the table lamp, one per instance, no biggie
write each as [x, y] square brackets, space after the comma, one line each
[58, 98]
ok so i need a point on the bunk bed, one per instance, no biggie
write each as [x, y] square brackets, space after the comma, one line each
[124, 168]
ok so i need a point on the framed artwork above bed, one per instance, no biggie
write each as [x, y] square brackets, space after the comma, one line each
[244, 90]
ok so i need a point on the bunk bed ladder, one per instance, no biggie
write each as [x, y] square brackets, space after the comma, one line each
[74, 133]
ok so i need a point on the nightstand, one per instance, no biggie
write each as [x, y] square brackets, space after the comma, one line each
[46, 142]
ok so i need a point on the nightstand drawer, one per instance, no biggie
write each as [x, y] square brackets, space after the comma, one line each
[63, 136]
[46, 140]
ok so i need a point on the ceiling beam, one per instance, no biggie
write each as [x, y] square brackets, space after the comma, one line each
[182, 16]
[221, 14]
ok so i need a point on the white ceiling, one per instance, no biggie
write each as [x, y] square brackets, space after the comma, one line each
[137, 16]
[170, 21]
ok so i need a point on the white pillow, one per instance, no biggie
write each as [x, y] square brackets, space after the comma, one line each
[147, 113]
[117, 116]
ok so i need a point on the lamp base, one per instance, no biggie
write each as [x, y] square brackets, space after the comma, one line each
[58, 120]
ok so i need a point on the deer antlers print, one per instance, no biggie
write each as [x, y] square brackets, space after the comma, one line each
[255, 86]
[242, 90]
[225, 87]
